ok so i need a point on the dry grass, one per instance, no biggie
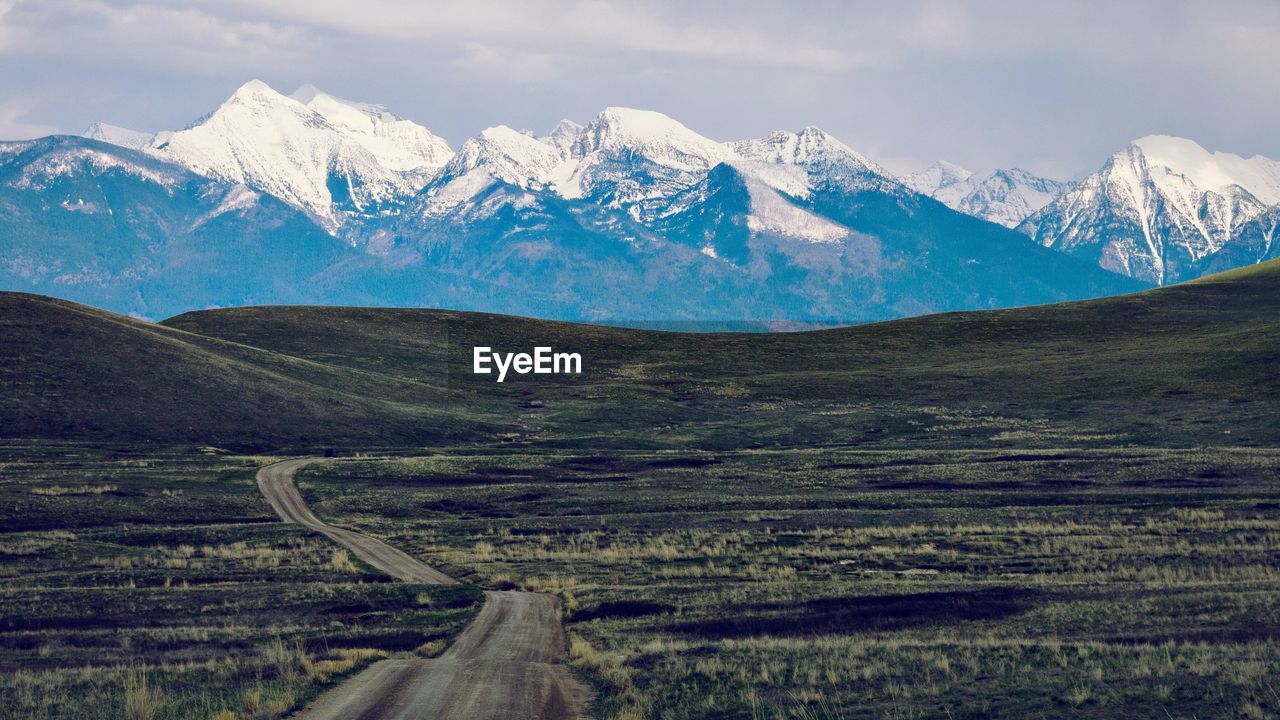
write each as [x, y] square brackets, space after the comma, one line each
[340, 561]
[139, 701]
[59, 490]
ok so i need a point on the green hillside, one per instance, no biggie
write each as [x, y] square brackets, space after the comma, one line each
[74, 372]
[1184, 365]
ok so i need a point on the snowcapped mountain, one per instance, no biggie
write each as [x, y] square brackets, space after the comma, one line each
[793, 226]
[651, 166]
[1158, 208]
[497, 155]
[633, 217]
[396, 143]
[1255, 241]
[563, 136]
[811, 158]
[121, 229]
[124, 137]
[945, 182]
[1007, 197]
[625, 156]
[331, 157]
[1004, 197]
[508, 155]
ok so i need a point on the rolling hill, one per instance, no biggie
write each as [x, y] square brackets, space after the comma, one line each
[75, 372]
[1186, 365]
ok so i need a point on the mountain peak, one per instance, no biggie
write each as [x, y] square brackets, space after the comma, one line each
[504, 132]
[814, 133]
[501, 152]
[635, 117]
[813, 148]
[306, 93]
[566, 126]
[256, 89]
[941, 178]
[1159, 207]
[321, 153]
[1213, 171]
[950, 170]
[620, 144]
[336, 109]
[124, 137]
[1158, 144]
[563, 136]
[632, 122]
[1003, 196]
[654, 134]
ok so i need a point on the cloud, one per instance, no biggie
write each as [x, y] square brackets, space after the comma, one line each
[146, 36]
[725, 33]
[14, 124]
[487, 60]
[983, 82]
[8, 33]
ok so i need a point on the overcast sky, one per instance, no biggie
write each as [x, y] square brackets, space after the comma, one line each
[1051, 87]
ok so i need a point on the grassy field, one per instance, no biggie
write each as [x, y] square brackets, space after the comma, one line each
[1162, 367]
[1185, 365]
[890, 584]
[957, 516]
[154, 583]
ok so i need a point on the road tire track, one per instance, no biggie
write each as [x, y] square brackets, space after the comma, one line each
[506, 665]
[276, 483]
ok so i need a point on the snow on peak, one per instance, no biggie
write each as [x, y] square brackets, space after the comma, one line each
[497, 154]
[643, 160]
[1007, 197]
[306, 92]
[397, 143]
[650, 134]
[124, 137]
[1004, 197]
[819, 156]
[563, 136]
[1158, 207]
[1216, 171]
[336, 109]
[937, 177]
[624, 156]
[810, 146]
[952, 169]
[508, 155]
[307, 148]
[252, 91]
[67, 157]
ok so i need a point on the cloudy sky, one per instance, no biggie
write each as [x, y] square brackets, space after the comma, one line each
[1052, 87]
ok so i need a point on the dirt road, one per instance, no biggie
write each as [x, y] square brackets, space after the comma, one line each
[507, 664]
[276, 483]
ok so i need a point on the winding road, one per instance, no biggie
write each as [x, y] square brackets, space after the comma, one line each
[506, 665]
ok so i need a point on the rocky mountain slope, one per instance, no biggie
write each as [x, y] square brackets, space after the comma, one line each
[1004, 197]
[1160, 210]
[333, 158]
[124, 230]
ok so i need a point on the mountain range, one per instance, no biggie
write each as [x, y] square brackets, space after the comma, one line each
[1005, 197]
[631, 217]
